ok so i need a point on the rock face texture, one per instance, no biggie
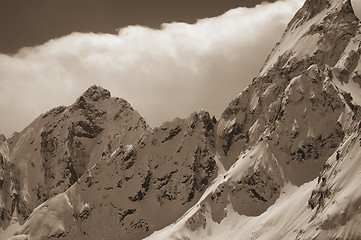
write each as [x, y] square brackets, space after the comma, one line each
[7, 197]
[58, 147]
[282, 162]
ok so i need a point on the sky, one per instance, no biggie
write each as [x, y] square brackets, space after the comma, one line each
[28, 23]
[175, 60]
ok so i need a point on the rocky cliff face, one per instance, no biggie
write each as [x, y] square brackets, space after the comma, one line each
[7, 194]
[313, 43]
[58, 147]
[294, 107]
[289, 141]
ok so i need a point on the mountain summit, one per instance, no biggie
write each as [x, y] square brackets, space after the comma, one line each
[96, 93]
[58, 147]
[282, 162]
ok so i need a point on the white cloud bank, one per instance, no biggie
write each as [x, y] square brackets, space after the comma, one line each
[162, 73]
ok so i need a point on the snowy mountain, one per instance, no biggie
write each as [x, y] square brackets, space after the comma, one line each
[290, 140]
[282, 162]
[58, 147]
[138, 189]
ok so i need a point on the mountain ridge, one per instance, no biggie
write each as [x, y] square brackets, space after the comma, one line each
[51, 153]
[282, 162]
[289, 76]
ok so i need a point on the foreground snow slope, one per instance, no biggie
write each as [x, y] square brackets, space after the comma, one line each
[332, 212]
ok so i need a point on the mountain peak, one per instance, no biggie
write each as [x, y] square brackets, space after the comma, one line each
[318, 34]
[96, 93]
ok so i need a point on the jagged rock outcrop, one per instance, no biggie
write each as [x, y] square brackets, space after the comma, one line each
[58, 147]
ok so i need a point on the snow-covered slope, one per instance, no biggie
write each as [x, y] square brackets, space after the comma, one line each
[58, 147]
[327, 207]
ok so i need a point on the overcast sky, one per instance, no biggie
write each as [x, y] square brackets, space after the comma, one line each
[163, 70]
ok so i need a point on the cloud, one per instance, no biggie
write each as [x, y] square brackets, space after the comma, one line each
[163, 73]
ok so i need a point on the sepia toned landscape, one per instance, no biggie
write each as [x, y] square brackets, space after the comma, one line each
[281, 160]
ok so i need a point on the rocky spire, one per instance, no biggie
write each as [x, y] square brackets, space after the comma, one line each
[318, 34]
[96, 93]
